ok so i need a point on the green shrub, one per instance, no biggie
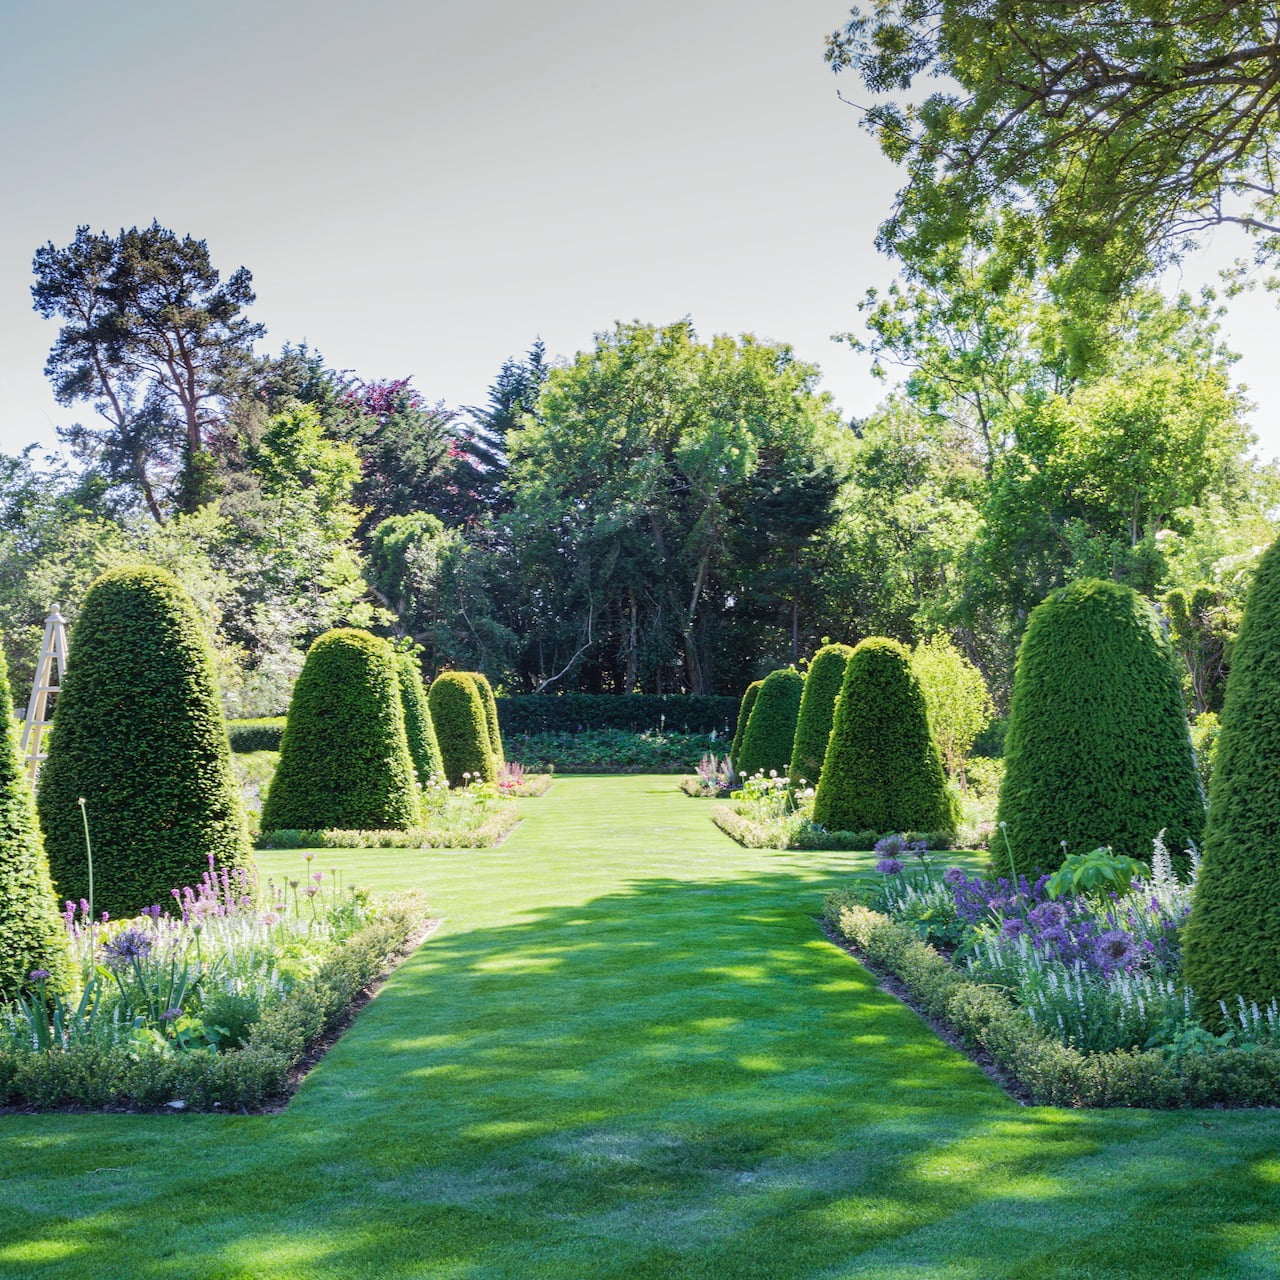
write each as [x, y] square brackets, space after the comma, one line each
[424, 749]
[1231, 946]
[882, 771]
[344, 757]
[31, 933]
[744, 715]
[1098, 751]
[138, 732]
[817, 711]
[457, 711]
[490, 716]
[611, 751]
[529, 713]
[771, 728]
[263, 734]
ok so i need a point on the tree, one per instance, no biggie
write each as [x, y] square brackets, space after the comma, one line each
[138, 733]
[956, 695]
[817, 711]
[155, 340]
[1109, 133]
[771, 730]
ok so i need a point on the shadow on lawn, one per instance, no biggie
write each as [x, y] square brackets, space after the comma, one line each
[680, 1079]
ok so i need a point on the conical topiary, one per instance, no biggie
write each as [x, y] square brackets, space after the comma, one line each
[882, 771]
[423, 746]
[817, 712]
[32, 936]
[457, 711]
[744, 716]
[138, 732]
[490, 716]
[344, 755]
[771, 729]
[1098, 751]
[1231, 943]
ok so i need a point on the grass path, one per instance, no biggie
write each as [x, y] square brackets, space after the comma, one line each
[630, 1053]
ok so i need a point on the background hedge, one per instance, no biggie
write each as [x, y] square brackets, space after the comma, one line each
[634, 712]
[1098, 751]
[749, 696]
[138, 732]
[457, 711]
[817, 712]
[485, 690]
[263, 734]
[771, 727]
[344, 757]
[882, 770]
[424, 749]
[1231, 943]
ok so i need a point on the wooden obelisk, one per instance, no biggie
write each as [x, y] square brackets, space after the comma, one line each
[53, 653]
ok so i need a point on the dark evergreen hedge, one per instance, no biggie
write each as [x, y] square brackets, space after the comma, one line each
[1231, 944]
[744, 716]
[138, 732]
[633, 712]
[1098, 751]
[817, 712]
[424, 749]
[344, 757]
[457, 711]
[32, 936]
[771, 727]
[882, 771]
[485, 690]
[263, 734]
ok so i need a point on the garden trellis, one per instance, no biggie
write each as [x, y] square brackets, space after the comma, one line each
[53, 652]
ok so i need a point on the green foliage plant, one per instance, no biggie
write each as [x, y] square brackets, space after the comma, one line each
[817, 711]
[956, 695]
[490, 716]
[32, 938]
[771, 729]
[344, 756]
[139, 734]
[1095, 873]
[457, 710]
[882, 770]
[744, 716]
[1098, 751]
[1230, 944]
[423, 746]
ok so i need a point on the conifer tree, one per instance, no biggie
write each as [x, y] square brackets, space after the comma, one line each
[766, 744]
[744, 715]
[423, 745]
[457, 710]
[485, 690]
[817, 712]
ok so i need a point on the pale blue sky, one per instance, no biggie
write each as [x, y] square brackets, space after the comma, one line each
[421, 188]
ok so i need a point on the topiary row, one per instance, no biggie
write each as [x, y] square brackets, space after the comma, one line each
[744, 716]
[771, 726]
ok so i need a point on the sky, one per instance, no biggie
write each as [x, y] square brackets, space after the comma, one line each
[422, 187]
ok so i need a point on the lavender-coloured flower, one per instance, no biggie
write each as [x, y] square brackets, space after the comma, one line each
[125, 947]
[171, 1015]
[1013, 928]
[1048, 916]
[953, 876]
[1115, 949]
[890, 846]
[39, 975]
[889, 867]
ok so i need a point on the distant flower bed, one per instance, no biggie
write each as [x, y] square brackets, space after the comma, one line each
[209, 1000]
[613, 751]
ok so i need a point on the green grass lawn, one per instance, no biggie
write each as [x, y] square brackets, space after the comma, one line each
[629, 1052]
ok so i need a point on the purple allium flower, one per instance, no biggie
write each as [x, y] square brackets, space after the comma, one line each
[889, 867]
[890, 846]
[39, 975]
[132, 944]
[1048, 916]
[953, 876]
[1114, 949]
[1014, 928]
[171, 1015]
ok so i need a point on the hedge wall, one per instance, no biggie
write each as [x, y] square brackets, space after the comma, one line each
[634, 712]
[256, 735]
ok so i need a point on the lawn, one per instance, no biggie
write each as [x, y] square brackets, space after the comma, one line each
[629, 1052]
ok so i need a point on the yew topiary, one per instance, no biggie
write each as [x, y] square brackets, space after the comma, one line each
[744, 715]
[1231, 943]
[32, 936]
[423, 746]
[138, 732]
[490, 716]
[344, 755]
[882, 771]
[457, 711]
[771, 729]
[1098, 751]
[817, 711]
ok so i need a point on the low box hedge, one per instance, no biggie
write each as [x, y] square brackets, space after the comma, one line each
[635, 712]
[263, 734]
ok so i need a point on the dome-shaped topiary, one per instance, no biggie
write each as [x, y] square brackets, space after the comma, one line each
[882, 771]
[423, 746]
[1098, 751]
[344, 756]
[1231, 943]
[771, 729]
[490, 716]
[744, 717]
[457, 711]
[138, 732]
[32, 936]
[817, 711]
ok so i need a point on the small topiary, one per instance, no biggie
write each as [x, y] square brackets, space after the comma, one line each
[766, 744]
[744, 715]
[32, 937]
[138, 732]
[490, 716]
[817, 711]
[423, 746]
[1231, 943]
[882, 770]
[344, 756]
[457, 711]
[1098, 751]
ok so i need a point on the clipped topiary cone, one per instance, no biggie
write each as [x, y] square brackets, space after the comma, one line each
[424, 748]
[744, 716]
[344, 756]
[490, 716]
[771, 729]
[817, 712]
[457, 710]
